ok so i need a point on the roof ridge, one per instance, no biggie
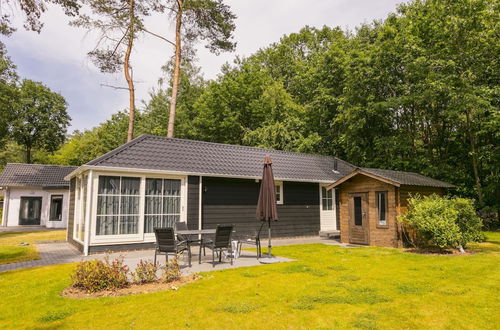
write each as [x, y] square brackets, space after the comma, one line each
[118, 150]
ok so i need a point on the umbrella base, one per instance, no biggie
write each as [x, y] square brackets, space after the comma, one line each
[269, 260]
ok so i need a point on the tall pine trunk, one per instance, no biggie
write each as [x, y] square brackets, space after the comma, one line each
[127, 69]
[177, 65]
[473, 149]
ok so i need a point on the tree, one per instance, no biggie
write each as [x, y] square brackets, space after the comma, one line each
[32, 11]
[119, 22]
[39, 119]
[207, 20]
[8, 92]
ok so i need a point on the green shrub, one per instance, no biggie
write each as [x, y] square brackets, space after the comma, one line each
[97, 275]
[444, 222]
[145, 272]
[172, 271]
[490, 218]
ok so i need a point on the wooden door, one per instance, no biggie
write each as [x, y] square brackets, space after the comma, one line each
[358, 218]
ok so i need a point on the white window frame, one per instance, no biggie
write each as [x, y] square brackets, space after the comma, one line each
[140, 236]
[323, 197]
[79, 206]
[381, 224]
[280, 185]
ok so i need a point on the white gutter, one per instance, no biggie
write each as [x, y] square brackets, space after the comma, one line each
[154, 171]
[200, 204]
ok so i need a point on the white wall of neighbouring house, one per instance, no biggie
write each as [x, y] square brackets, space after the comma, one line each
[14, 201]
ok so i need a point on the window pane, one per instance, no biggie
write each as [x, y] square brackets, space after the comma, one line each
[171, 187]
[171, 205]
[56, 208]
[153, 205]
[358, 217]
[152, 221]
[382, 207]
[329, 193]
[329, 204]
[128, 225]
[324, 204]
[154, 186]
[170, 220]
[107, 225]
[109, 185]
[108, 205]
[130, 186]
[129, 205]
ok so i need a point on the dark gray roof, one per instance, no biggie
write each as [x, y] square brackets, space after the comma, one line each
[35, 175]
[205, 158]
[407, 178]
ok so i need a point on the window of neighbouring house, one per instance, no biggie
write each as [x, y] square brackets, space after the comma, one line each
[56, 205]
[326, 199]
[279, 192]
[162, 203]
[382, 208]
[118, 205]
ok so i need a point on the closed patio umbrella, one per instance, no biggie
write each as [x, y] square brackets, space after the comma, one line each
[266, 205]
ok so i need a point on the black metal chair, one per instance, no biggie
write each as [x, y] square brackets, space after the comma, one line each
[166, 243]
[221, 242]
[253, 239]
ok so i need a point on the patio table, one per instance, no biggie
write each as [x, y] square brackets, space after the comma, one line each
[195, 232]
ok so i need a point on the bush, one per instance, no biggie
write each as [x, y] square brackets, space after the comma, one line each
[97, 275]
[445, 222]
[490, 218]
[172, 271]
[145, 272]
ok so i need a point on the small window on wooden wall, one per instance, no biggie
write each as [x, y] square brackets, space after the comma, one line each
[279, 192]
[381, 208]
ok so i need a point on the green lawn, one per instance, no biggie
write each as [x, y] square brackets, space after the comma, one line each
[10, 251]
[327, 287]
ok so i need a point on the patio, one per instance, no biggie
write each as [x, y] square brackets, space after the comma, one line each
[60, 252]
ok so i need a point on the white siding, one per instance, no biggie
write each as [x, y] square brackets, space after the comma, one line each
[14, 201]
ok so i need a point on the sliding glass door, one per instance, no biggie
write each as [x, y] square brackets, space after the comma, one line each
[30, 210]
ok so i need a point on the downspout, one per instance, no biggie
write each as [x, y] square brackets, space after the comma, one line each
[89, 211]
[5, 211]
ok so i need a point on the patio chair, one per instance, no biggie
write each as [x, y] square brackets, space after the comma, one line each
[253, 239]
[221, 242]
[191, 240]
[166, 243]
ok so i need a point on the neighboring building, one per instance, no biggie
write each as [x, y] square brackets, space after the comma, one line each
[372, 199]
[35, 195]
[117, 199]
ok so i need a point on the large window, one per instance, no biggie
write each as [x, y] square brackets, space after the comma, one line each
[382, 208]
[56, 205]
[80, 206]
[118, 205]
[162, 203]
[326, 199]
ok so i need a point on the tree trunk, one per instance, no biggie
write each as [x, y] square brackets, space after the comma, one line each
[177, 65]
[28, 154]
[127, 69]
[475, 165]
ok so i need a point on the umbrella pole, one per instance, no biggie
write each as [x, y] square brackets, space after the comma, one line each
[269, 235]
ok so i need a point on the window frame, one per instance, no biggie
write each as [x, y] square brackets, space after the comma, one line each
[384, 225]
[61, 197]
[281, 196]
[141, 236]
[327, 198]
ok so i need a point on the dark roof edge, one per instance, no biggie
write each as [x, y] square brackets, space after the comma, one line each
[41, 165]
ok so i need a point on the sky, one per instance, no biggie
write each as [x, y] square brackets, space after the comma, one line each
[58, 55]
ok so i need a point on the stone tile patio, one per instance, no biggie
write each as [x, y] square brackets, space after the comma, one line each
[60, 252]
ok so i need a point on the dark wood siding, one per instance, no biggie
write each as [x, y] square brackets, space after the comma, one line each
[234, 201]
[193, 194]
[71, 216]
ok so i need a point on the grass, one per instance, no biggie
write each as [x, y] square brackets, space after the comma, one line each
[10, 251]
[327, 287]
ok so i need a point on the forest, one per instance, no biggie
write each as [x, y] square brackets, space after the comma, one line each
[417, 91]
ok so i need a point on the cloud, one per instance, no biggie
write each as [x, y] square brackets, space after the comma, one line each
[57, 56]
